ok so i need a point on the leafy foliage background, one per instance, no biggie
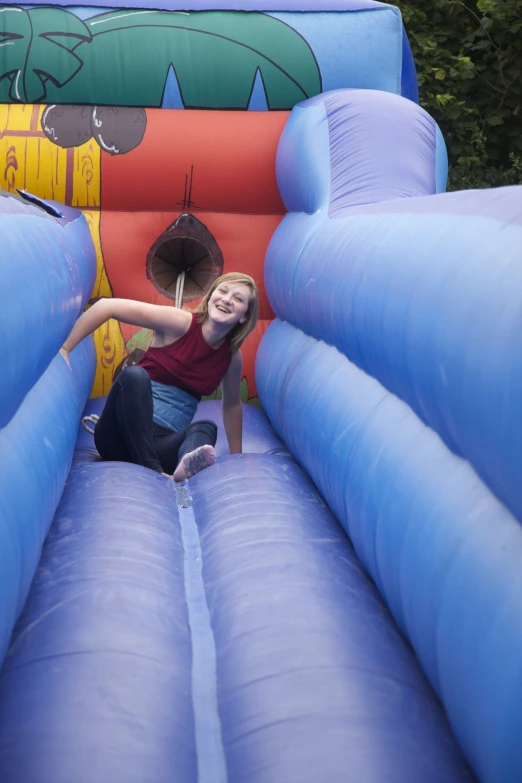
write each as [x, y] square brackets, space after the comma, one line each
[468, 55]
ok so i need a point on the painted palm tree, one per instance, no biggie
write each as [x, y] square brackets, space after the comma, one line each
[123, 58]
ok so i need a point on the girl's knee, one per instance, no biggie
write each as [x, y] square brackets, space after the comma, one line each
[134, 375]
[209, 428]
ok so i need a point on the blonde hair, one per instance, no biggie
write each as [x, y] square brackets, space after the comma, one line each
[240, 331]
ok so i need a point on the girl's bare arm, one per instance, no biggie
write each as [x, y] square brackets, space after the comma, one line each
[169, 321]
[232, 410]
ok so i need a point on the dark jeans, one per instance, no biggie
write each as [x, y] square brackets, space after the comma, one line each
[127, 433]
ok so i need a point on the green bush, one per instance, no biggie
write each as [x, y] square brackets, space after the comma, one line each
[469, 63]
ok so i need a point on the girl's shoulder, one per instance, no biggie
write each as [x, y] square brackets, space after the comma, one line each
[178, 324]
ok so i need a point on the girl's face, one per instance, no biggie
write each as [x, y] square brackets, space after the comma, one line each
[228, 304]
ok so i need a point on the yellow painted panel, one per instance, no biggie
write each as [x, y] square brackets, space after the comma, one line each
[110, 351]
[110, 345]
[15, 116]
[12, 163]
[101, 286]
[45, 172]
[30, 161]
[86, 179]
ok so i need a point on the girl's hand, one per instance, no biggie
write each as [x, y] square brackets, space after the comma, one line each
[65, 355]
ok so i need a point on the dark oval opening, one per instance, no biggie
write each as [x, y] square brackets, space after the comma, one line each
[181, 254]
[186, 246]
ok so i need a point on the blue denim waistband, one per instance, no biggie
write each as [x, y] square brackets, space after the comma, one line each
[173, 407]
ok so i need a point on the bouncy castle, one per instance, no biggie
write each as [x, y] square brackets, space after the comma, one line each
[341, 603]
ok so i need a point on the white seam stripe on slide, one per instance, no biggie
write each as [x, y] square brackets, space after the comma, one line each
[207, 725]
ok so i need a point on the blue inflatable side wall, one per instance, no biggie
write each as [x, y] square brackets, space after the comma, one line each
[421, 293]
[54, 257]
[422, 296]
[36, 448]
[442, 549]
[438, 323]
[46, 277]
[409, 86]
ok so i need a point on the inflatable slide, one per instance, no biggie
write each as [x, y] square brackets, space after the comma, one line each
[341, 603]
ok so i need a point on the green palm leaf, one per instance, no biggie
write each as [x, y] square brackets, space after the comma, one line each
[215, 56]
[36, 47]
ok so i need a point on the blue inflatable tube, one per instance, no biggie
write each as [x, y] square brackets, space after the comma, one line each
[315, 684]
[46, 276]
[97, 682]
[345, 148]
[438, 324]
[36, 448]
[443, 551]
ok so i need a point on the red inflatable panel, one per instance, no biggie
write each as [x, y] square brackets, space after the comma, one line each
[214, 161]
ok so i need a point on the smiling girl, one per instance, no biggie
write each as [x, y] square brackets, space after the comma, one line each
[147, 418]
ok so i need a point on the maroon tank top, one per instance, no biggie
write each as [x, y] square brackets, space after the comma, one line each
[189, 363]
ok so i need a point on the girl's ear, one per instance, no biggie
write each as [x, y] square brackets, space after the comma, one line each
[242, 320]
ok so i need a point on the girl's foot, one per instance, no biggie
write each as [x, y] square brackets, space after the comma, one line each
[199, 459]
